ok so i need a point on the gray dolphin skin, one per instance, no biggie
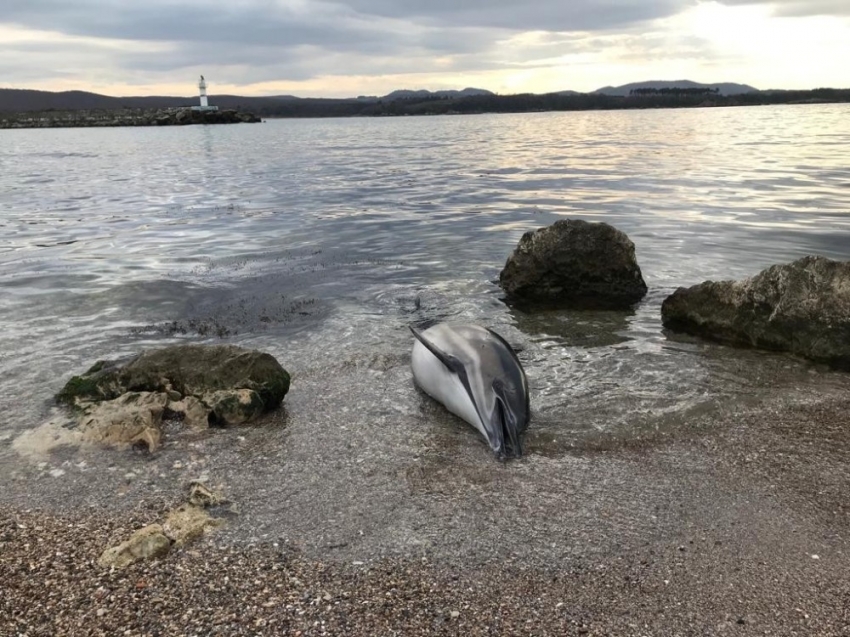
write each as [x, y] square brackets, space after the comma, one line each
[476, 375]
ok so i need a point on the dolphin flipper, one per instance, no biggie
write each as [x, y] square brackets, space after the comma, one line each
[452, 363]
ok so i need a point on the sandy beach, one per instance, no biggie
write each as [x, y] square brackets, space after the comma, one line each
[737, 525]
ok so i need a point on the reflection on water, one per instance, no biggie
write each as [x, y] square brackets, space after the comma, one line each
[574, 328]
[321, 240]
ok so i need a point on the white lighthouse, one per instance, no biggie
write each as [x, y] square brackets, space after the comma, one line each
[205, 105]
[202, 85]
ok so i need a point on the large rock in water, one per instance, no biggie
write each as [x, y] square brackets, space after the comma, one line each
[123, 402]
[802, 307]
[574, 264]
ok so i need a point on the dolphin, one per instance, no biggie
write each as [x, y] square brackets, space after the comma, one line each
[476, 375]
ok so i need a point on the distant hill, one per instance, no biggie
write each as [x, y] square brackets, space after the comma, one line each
[405, 94]
[17, 100]
[422, 94]
[21, 100]
[651, 95]
[725, 88]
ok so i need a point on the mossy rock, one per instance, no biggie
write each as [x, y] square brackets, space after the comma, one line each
[83, 387]
[101, 382]
[191, 370]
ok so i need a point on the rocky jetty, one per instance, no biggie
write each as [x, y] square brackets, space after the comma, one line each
[801, 307]
[574, 264]
[124, 402]
[124, 117]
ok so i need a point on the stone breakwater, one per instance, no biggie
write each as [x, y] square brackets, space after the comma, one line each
[124, 117]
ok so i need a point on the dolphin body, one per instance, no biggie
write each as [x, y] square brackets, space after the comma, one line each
[476, 375]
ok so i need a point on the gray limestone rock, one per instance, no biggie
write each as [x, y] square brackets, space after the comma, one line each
[574, 264]
[801, 307]
[124, 402]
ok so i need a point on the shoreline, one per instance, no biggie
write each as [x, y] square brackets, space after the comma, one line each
[748, 535]
[129, 117]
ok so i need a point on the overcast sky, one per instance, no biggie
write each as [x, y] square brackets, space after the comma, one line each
[369, 47]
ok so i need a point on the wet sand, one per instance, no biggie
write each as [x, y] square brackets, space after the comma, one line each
[735, 522]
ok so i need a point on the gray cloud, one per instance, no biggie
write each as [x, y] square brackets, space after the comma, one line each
[250, 41]
[799, 8]
[543, 15]
[254, 64]
[319, 21]
[351, 23]
[255, 22]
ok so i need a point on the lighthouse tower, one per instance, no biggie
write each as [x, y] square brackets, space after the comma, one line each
[204, 105]
[202, 85]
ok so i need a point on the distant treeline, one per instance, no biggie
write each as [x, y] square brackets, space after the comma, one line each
[440, 105]
[664, 98]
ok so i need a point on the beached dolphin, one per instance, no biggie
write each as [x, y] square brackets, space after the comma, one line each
[476, 375]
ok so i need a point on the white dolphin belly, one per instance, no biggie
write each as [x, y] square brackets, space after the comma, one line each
[444, 386]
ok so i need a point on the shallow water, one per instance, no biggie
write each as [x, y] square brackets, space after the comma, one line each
[322, 240]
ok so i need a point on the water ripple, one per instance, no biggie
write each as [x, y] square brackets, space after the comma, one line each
[114, 239]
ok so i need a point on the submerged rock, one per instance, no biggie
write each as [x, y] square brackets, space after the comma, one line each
[801, 307]
[124, 402]
[574, 264]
